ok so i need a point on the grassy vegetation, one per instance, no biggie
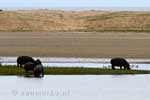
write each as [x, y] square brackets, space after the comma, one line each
[87, 21]
[120, 21]
[13, 70]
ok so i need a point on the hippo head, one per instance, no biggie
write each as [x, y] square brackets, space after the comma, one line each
[38, 62]
[128, 66]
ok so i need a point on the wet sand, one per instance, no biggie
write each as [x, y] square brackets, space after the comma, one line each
[75, 44]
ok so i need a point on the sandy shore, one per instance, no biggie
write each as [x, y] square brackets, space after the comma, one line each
[75, 44]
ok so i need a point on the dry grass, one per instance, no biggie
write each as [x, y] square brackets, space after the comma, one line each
[120, 21]
[55, 20]
[43, 20]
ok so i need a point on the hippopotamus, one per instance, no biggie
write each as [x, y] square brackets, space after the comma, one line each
[38, 70]
[21, 60]
[120, 62]
[36, 67]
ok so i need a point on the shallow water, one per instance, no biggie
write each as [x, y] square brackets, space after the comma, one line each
[139, 64]
[76, 87]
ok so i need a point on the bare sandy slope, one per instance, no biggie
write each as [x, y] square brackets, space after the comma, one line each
[130, 45]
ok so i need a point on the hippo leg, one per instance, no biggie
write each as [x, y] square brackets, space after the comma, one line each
[36, 74]
[128, 68]
[120, 67]
[124, 67]
[42, 73]
[113, 67]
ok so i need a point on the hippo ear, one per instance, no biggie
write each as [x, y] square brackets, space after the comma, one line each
[38, 61]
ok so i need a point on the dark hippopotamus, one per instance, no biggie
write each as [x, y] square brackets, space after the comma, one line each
[29, 66]
[120, 62]
[21, 60]
[36, 67]
[38, 71]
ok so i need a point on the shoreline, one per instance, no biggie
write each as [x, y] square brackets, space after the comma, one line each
[72, 44]
[13, 70]
[79, 8]
[74, 59]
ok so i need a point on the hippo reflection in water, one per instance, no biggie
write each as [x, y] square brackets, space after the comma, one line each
[120, 62]
[36, 67]
[21, 60]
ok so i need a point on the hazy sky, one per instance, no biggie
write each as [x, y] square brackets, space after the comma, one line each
[74, 3]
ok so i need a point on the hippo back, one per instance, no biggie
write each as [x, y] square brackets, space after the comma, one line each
[24, 59]
[119, 62]
[38, 68]
[29, 66]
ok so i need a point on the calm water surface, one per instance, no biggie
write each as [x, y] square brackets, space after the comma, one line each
[76, 87]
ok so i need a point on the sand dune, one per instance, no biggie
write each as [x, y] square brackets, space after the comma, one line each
[58, 21]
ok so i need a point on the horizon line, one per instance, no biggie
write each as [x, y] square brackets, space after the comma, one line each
[80, 8]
